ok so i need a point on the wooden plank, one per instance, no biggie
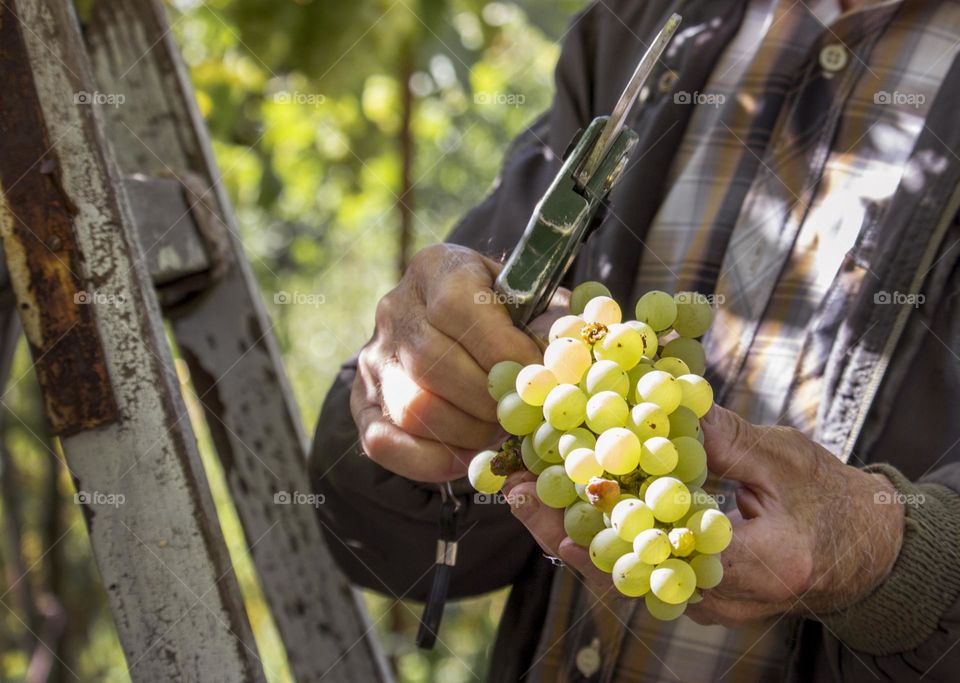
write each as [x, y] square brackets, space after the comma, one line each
[40, 249]
[225, 335]
[151, 520]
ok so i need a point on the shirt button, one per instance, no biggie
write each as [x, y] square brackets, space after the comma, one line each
[834, 58]
[588, 658]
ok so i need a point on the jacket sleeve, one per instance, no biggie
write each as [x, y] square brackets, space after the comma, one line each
[909, 627]
[382, 528]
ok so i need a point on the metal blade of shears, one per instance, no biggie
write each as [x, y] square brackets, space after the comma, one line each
[621, 111]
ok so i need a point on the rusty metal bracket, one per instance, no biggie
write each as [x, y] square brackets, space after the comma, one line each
[43, 260]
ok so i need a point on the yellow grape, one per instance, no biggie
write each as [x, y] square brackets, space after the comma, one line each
[712, 530]
[669, 499]
[673, 581]
[618, 450]
[695, 394]
[603, 310]
[568, 359]
[631, 576]
[581, 466]
[606, 410]
[661, 388]
[658, 456]
[480, 476]
[566, 326]
[652, 546]
[534, 382]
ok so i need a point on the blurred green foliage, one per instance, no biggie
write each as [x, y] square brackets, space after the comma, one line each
[305, 101]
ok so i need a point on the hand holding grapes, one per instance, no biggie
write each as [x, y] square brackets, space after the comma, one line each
[608, 427]
[811, 535]
[420, 396]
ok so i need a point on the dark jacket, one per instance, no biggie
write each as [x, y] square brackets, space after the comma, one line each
[893, 373]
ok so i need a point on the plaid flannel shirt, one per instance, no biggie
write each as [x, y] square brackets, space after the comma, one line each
[745, 217]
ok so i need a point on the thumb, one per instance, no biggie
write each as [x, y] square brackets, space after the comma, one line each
[733, 447]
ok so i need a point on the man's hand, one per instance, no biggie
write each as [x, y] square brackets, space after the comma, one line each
[810, 534]
[420, 396]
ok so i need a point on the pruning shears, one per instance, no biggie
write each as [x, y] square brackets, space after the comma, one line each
[573, 205]
[576, 199]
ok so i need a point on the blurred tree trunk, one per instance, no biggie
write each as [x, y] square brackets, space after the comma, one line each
[407, 148]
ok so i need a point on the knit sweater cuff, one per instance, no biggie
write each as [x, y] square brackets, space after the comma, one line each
[906, 608]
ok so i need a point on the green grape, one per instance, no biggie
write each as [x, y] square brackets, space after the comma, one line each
[673, 581]
[568, 359]
[622, 344]
[661, 388]
[690, 351]
[700, 500]
[546, 443]
[712, 529]
[618, 450]
[674, 366]
[652, 546]
[647, 335]
[669, 499]
[582, 493]
[606, 410]
[576, 438]
[606, 375]
[694, 314]
[502, 378]
[480, 476]
[606, 548]
[648, 420]
[644, 486]
[634, 374]
[517, 417]
[658, 456]
[566, 326]
[691, 458]
[581, 466]
[529, 456]
[682, 541]
[631, 576]
[629, 517]
[554, 487]
[683, 422]
[534, 382]
[581, 522]
[698, 480]
[602, 310]
[565, 407]
[661, 610]
[583, 292]
[612, 504]
[695, 394]
[695, 597]
[709, 570]
[657, 309]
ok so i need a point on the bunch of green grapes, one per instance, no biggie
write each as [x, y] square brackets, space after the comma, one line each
[610, 424]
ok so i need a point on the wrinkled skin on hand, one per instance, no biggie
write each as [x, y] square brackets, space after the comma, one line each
[420, 396]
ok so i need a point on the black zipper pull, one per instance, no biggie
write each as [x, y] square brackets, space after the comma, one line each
[442, 570]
